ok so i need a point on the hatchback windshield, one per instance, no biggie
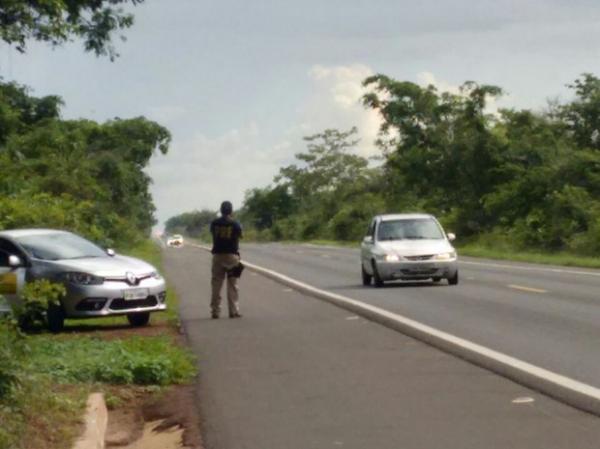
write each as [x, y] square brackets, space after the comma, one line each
[59, 246]
[410, 229]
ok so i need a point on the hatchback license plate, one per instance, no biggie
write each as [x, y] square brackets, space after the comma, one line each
[135, 293]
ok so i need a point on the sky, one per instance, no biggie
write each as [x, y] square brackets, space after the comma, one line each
[239, 83]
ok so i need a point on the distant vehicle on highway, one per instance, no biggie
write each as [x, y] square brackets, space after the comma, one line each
[175, 240]
[98, 281]
[407, 247]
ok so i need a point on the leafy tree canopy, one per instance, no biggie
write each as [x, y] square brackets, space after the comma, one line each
[57, 21]
[76, 174]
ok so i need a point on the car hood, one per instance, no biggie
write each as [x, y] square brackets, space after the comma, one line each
[416, 247]
[115, 266]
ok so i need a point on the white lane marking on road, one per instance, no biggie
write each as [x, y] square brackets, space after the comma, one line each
[545, 376]
[523, 400]
[519, 365]
[326, 256]
[527, 289]
[523, 267]
[288, 290]
[353, 317]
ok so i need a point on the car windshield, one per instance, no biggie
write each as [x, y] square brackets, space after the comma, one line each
[409, 229]
[59, 246]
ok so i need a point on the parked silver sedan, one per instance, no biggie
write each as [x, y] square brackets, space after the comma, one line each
[98, 282]
[407, 247]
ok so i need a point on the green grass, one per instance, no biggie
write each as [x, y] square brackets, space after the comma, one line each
[135, 360]
[29, 399]
[560, 258]
[44, 390]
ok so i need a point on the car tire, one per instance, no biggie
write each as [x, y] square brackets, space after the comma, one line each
[453, 280]
[376, 278]
[436, 279]
[55, 318]
[366, 277]
[138, 319]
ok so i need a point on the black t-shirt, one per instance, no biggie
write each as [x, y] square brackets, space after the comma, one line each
[226, 233]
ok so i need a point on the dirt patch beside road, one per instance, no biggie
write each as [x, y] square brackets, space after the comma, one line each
[168, 417]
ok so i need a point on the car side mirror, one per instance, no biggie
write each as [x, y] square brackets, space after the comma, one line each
[110, 252]
[451, 236]
[368, 239]
[14, 261]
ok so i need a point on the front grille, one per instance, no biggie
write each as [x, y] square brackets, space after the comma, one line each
[90, 304]
[121, 304]
[427, 257]
[423, 272]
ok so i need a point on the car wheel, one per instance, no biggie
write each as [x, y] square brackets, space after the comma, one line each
[366, 277]
[138, 319]
[55, 318]
[453, 280]
[376, 278]
[436, 279]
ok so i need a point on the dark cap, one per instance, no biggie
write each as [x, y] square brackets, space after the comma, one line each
[226, 208]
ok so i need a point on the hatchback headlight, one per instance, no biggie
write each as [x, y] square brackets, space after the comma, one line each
[392, 258]
[75, 277]
[445, 256]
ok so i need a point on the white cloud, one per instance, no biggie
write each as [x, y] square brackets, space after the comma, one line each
[428, 79]
[166, 113]
[336, 102]
[200, 172]
[492, 106]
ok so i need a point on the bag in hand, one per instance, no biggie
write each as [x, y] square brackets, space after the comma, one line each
[236, 271]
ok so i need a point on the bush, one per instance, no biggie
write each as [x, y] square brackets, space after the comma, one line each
[37, 296]
[13, 348]
[141, 361]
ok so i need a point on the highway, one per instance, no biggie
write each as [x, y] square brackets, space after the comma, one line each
[297, 372]
[545, 315]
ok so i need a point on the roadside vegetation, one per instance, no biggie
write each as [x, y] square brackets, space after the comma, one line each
[89, 178]
[507, 182]
[45, 378]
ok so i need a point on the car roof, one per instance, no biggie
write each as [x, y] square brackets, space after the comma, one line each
[15, 233]
[389, 217]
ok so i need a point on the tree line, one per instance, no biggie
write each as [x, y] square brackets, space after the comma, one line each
[520, 177]
[80, 175]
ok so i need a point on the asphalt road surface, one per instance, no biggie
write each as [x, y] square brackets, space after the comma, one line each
[296, 372]
[547, 316]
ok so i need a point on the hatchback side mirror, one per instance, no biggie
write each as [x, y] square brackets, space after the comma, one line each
[14, 261]
[110, 252]
[368, 239]
[451, 236]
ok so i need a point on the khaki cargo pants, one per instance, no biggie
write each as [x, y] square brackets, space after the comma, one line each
[220, 264]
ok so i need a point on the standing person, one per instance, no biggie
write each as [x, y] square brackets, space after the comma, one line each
[226, 233]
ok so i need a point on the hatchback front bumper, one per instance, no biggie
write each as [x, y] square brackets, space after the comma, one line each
[415, 270]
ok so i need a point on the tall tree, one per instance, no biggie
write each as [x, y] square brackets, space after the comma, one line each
[58, 21]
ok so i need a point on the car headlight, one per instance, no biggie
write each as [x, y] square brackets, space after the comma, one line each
[391, 258]
[75, 277]
[445, 256]
[156, 275]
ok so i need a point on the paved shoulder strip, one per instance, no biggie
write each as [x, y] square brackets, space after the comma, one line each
[565, 389]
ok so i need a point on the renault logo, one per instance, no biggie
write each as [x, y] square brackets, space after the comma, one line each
[131, 279]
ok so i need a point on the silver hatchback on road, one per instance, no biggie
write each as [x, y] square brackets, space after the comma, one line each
[98, 282]
[407, 247]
